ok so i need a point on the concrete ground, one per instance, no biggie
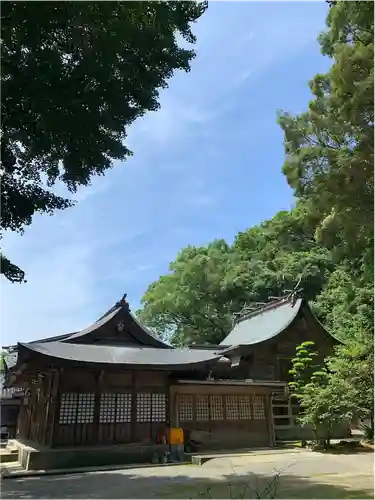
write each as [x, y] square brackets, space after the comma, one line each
[298, 474]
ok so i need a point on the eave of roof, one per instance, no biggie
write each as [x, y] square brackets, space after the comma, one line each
[320, 325]
[131, 356]
[246, 382]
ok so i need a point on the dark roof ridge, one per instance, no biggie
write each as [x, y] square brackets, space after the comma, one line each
[94, 326]
[266, 307]
[121, 305]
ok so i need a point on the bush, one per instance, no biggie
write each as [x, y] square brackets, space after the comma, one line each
[369, 432]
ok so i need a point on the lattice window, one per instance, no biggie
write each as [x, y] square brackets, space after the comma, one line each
[232, 407]
[107, 412]
[258, 407]
[68, 408]
[217, 412]
[159, 408]
[85, 410]
[143, 407]
[77, 408]
[202, 410]
[124, 408]
[115, 408]
[185, 407]
[244, 407]
[151, 407]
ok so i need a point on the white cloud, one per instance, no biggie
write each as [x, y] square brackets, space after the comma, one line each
[129, 225]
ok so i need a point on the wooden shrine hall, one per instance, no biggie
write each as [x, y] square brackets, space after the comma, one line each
[116, 386]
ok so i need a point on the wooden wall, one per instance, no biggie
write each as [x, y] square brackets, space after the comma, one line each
[223, 416]
[110, 407]
[271, 360]
[91, 407]
[37, 410]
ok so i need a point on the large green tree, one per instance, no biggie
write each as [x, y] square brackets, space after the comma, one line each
[352, 379]
[346, 305]
[74, 76]
[278, 253]
[205, 286]
[192, 303]
[329, 148]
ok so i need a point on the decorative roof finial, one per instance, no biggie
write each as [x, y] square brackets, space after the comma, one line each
[296, 291]
[123, 302]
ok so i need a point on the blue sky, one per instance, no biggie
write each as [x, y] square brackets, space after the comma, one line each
[205, 166]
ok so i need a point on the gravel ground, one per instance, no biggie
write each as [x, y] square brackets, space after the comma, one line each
[302, 474]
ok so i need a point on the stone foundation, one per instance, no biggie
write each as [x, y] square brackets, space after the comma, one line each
[39, 458]
[297, 433]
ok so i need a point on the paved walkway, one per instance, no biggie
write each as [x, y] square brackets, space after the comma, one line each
[302, 474]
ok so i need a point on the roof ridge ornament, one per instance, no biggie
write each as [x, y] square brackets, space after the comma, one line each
[296, 292]
[123, 302]
[255, 308]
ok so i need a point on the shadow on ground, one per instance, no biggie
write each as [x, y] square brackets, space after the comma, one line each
[117, 485]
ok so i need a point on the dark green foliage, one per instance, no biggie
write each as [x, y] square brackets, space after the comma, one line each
[11, 271]
[352, 378]
[369, 431]
[339, 388]
[74, 76]
[311, 386]
[330, 148]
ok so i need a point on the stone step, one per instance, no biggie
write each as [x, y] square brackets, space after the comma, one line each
[8, 456]
[11, 468]
[11, 449]
[202, 458]
[11, 446]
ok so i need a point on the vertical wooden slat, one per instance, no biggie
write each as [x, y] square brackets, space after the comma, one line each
[98, 391]
[133, 423]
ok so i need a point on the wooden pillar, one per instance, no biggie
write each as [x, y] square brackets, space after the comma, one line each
[54, 408]
[173, 407]
[269, 416]
[28, 413]
[44, 404]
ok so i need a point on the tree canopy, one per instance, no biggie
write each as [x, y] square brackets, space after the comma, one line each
[330, 147]
[74, 76]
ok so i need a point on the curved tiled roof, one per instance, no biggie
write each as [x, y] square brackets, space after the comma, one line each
[133, 356]
[94, 326]
[263, 325]
[119, 312]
